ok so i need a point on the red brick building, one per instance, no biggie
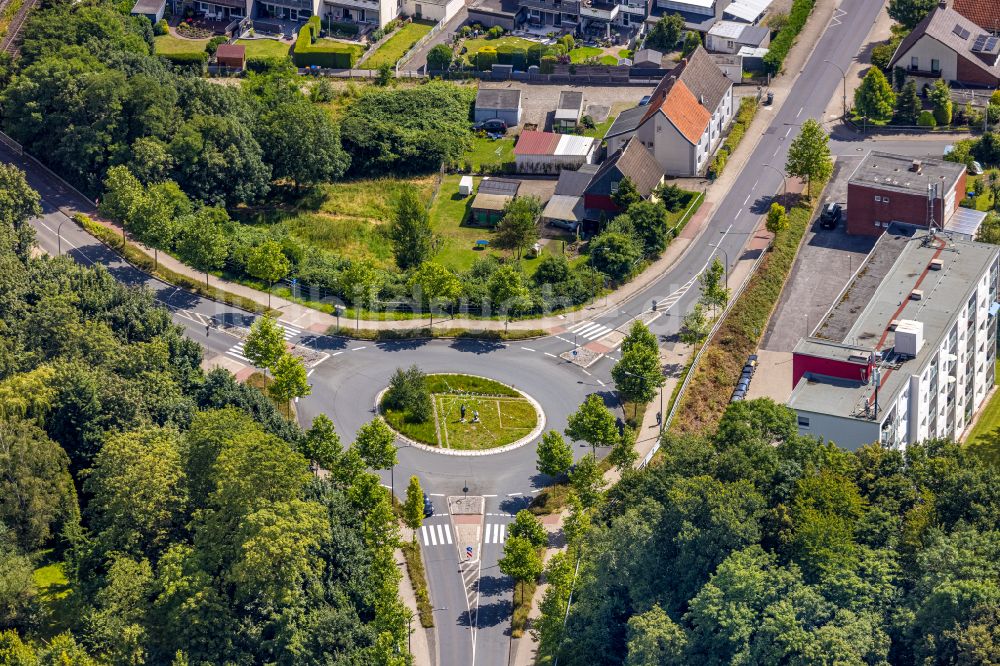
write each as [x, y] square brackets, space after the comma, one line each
[889, 188]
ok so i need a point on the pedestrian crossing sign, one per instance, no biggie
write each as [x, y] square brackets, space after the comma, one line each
[468, 552]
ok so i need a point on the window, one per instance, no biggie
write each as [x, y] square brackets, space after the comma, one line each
[877, 198]
[935, 65]
[803, 421]
[614, 187]
[885, 200]
[914, 62]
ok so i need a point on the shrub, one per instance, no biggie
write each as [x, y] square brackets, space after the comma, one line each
[548, 64]
[213, 44]
[568, 42]
[263, 64]
[193, 62]
[718, 163]
[494, 33]
[513, 55]
[486, 58]
[535, 54]
[307, 52]
[926, 119]
[346, 28]
[161, 27]
[785, 39]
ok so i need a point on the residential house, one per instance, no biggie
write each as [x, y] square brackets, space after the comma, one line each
[375, 12]
[232, 56]
[549, 153]
[888, 188]
[292, 10]
[492, 196]
[507, 14]
[225, 10]
[565, 208]
[984, 13]
[632, 161]
[633, 13]
[683, 123]
[432, 10]
[698, 15]
[554, 15]
[731, 36]
[151, 9]
[568, 112]
[501, 103]
[731, 66]
[647, 59]
[947, 45]
[906, 352]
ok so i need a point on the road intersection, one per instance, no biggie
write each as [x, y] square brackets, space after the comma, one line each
[472, 599]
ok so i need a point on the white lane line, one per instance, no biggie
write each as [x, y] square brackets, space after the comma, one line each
[600, 382]
[527, 349]
[738, 213]
[552, 355]
[310, 372]
[337, 353]
[359, 348]
[789, 131]
[514, 494]
[488, 495]
[436, 494]
[559, 337]
[586, 373]
[747, 200]
[798, 114]
[775, 151]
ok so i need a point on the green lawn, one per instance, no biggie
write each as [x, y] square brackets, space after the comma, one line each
[56, 613]
[396, 46]
[168, 44]
[989, 420]
[984, 201]
[266, 48]
[457, 249]
[489, 152]
[504, 415]
[473, 45]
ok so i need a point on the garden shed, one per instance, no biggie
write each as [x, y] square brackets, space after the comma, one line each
[546, 152]
[568, 111]
[151, 9]
[233, 56]
[493, 195]
[502, 103]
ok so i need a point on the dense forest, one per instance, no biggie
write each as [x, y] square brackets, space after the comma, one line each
[758, 546]
[179, 505]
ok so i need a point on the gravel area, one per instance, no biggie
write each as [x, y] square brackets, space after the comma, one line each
[539, 100]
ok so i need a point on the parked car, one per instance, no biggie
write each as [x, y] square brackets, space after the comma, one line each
[831, 215]
[493, 125]
[428, 506]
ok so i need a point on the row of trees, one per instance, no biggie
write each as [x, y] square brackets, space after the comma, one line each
[179, 505]
[757, 545]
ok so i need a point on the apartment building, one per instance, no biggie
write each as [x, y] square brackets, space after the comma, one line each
[907, 351]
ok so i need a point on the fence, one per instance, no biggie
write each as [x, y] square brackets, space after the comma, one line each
[420, 42]
[708, 340]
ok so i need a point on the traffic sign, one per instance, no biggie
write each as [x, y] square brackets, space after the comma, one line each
[468, 552]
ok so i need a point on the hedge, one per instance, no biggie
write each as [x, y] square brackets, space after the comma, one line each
[926, 119]
[307, 52]
[513, 55]
[785, 39]
[486, 58]
[744, 116]
[342, 28]
[195, 62]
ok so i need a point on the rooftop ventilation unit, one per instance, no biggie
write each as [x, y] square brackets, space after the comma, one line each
[936, 265]
[909, 337]
[893, 324]
[916, 166]
[917, 295]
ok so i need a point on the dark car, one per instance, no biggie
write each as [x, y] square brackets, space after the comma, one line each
[428, 506]
[830, 217]
[493, 125]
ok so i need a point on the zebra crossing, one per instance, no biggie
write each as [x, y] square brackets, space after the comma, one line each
[435, 535]
[289, 333]
[495, 533]
[589, 330]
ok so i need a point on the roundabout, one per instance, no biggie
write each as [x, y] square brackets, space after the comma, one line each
[469, 415]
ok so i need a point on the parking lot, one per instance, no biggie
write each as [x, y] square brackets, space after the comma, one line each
[826, 260]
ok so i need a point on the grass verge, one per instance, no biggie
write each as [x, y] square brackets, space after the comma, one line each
[260, 381]
[170, 45]
[385, 335]
[718, 370]
[418, 578]
[138, 258]
[524, 592]
[989, 420]
[266, 48]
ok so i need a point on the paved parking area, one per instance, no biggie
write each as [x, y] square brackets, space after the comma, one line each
[539, 101]
[826, 260]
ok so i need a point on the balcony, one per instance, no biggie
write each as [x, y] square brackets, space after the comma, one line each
[353, 4]
[599, 11]
[923, 73]
[553, 6]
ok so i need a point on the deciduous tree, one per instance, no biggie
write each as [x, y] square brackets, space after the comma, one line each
[528, 527]
[302, 144]
[18, 203]
[436, 285]
[666, 32]
[809, 155]
[777, 219]
[910, 12]
[520, 561]
[638, 374]
[587, 481]
[265, 343]
[290, 379]
[626, 195]
[518, 228]
[413, 507]
[874, 98]
[410, 231]
[267, 262]
[555, 455]
[592, 423]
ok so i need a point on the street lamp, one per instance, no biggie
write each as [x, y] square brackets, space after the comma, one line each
[844, 73]
[784, 187]
[726, 255]
[59, 239]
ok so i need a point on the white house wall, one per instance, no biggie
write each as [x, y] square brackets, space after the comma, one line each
[926, 49]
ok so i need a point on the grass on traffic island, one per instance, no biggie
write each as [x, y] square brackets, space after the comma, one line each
[261, 382]
[383, 335]
[524, 592]
[418, 577]
[505, 416]
[707, 396]
[141, 260]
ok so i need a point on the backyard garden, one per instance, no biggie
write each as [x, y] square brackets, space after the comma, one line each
[401, 41]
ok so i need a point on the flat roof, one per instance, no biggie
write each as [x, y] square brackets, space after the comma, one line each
[864, 317]
[490, 201]
[965, 221]
[570, 99]
[747, 10]
[498, 98]
[147, 6]
[896, 173]
[730, 29]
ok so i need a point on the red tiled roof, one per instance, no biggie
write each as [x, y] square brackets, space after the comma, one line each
[536, 143]
[984, 13]
[231, 51]
[688, 116]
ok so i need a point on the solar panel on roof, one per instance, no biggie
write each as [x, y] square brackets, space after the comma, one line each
[991, 43]
[960, 31]
[980, 42]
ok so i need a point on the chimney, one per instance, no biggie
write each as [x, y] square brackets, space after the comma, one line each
[916, 166]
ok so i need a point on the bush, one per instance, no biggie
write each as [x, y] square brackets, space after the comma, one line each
[548, 64]
[307, 52]
[213, 44]
[193, 62]
[347, 28]
[718, 163]
[161, 27]
[486, 58]
[535, 54]
[926, 119]
[495, 32]
[513, 55]
[785, 39]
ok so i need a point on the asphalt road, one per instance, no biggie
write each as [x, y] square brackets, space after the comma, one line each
[473, 624]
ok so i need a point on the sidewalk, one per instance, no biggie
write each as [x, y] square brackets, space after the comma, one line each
[419, 643]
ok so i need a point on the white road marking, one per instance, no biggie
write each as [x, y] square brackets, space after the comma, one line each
[436, 494]
[527, 349]
[747, 200]
[586, 373]
[600, 382]
[552, 355]
[359, 348]
[788, 132]
[798, 114]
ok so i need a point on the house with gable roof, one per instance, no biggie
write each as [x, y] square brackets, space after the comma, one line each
[684, 121]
